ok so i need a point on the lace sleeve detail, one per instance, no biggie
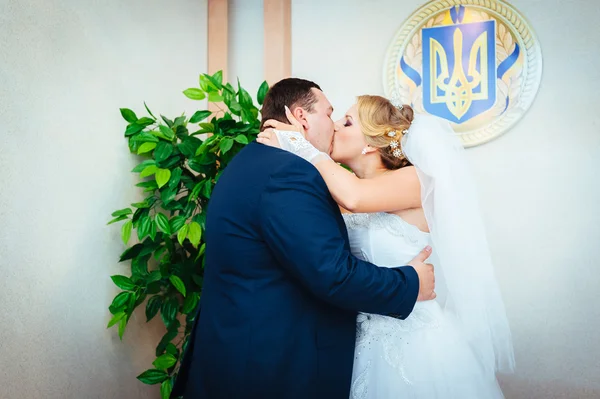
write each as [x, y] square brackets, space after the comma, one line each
[295, 143]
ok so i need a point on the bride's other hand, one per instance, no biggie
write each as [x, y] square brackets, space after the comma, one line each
[268, 137]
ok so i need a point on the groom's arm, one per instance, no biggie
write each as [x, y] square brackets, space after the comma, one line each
[300, 227]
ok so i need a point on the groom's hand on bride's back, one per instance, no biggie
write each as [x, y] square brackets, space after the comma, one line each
[426, 275]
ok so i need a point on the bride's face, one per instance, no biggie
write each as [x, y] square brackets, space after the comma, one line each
[348, 139]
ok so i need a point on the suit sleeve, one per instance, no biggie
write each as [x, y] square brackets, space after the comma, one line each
[299, 226]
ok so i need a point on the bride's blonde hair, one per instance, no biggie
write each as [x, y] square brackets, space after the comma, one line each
[378, 117]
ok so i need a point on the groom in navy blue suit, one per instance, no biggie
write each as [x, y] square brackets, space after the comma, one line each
[281, 289]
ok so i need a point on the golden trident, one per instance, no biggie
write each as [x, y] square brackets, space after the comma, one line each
[458, 92]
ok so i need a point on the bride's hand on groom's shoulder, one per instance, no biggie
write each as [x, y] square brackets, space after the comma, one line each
[426, 275]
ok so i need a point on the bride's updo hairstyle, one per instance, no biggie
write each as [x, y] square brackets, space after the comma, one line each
[384, 125]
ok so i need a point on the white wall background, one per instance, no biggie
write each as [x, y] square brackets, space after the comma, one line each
[66, 66]
[539, 182]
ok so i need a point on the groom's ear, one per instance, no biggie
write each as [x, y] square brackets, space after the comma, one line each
[300, 114]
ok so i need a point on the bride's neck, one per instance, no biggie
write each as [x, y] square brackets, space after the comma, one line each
[368, 166]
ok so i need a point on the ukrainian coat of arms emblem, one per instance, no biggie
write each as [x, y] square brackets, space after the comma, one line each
[475, 63]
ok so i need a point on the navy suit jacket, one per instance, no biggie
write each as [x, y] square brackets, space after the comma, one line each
[281, 289]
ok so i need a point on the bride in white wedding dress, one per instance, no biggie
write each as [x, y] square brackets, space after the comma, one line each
[411, 187]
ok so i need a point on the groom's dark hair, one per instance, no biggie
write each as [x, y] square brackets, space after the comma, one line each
[292, 92]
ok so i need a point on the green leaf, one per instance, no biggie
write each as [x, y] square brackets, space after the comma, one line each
[144, 137]
[189, 145]
[194, 234]
[229, 88]
[227, 124]
[172, 349]
[121, 299]
[194, 94]
[166, 340]
[168, 310]
[196, 191]
[215, 97]
[262, 92]
[153, 376]
[115, 319]
[126, 231]
[163, 223]
[200, 116]
[207, 127]
[118, 219]
[179, 121]
[139, 267]
[167, 132]
[148, 109]
[182, 234]
[123, 282]
[122, 325]
[154, 276]
[149, 171]
[218, 78]
[164, 362]
[152, 233]
[145, 121]
[168, 195]
[128, 115]
[241, 139]
[160, 135]
[167, 121]
[162, 177]
[206, 142]
[190, 303]
[226, 145]
[177, 223]
[177, 283]
[141, 205]
[153, 306]
[165, 389]
[207, 189]
[131, 253]
[150, 185]
[133, 128]
[175, 177]
[208, 84]
[125, 211]
[144, 227]
[146, 147]
[243, 96]
[143, 165]
[235, 107]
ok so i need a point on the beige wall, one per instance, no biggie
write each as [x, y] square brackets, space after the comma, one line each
[66, 66]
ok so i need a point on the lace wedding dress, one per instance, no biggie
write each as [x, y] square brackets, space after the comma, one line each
[423, 356]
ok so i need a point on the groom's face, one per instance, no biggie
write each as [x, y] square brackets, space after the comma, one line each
[318, 123]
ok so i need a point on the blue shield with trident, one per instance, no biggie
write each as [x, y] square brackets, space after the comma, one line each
[459, 70]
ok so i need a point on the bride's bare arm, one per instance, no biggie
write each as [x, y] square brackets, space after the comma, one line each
[390, 192]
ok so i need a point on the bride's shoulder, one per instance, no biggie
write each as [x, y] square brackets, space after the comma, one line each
[406, 173]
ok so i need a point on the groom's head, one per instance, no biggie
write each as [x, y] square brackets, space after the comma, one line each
[308, 104]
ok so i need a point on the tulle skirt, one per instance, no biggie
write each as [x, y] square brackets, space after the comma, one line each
[422, 357]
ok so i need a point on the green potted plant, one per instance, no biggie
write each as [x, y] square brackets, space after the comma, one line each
[182, 159]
